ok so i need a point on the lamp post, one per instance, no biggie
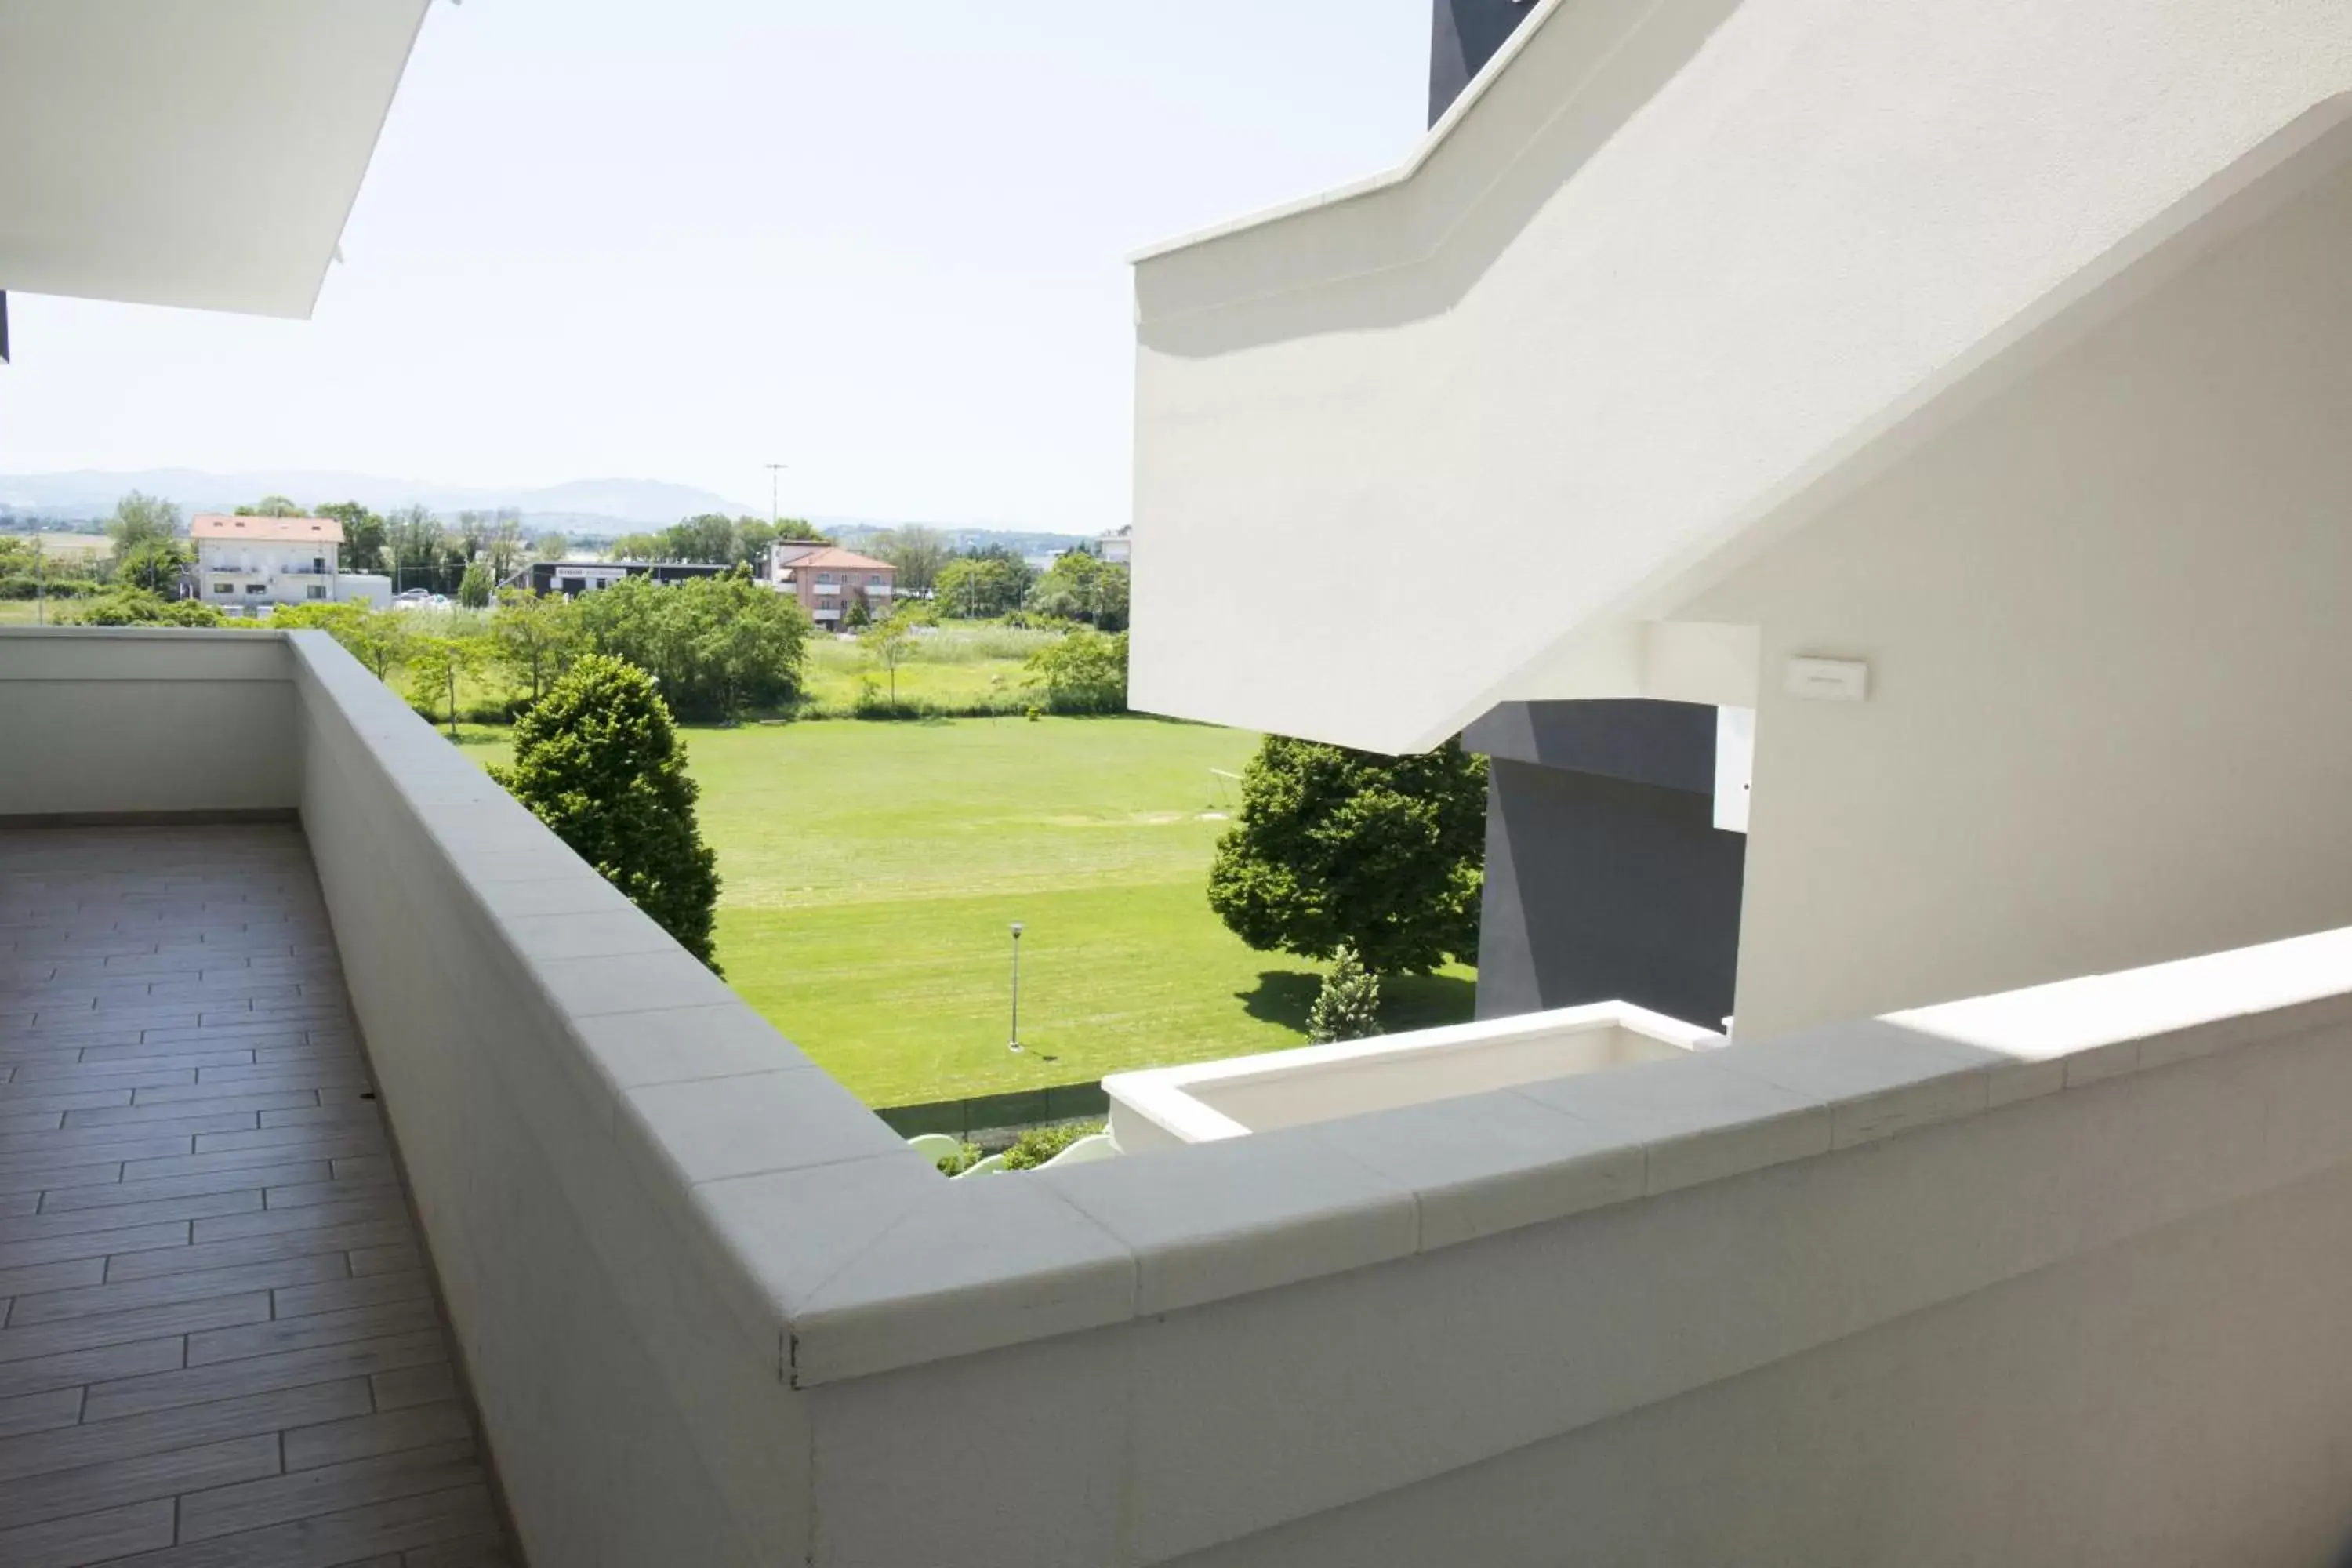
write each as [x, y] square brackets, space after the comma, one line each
[1015, 1044]
[772, 469]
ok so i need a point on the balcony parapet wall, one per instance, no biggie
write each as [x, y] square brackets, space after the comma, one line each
[715, 1314]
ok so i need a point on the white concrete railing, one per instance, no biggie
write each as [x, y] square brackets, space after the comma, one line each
[1200, 1102]
[2056, 1276]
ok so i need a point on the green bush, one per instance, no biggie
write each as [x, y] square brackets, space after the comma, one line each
[137, 607]
[1082, 672]
[966, 1156]
[598, 760]
[1039, 1144]
[32, 587]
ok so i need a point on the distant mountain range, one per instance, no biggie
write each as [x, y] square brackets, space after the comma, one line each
[584, 508]
[619, 504]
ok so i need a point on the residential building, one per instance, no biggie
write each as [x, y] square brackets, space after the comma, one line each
[829, 581]
[1957, 390]
[255, 561]
[1115, 546]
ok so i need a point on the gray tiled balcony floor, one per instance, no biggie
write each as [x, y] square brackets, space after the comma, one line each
[220, 1348]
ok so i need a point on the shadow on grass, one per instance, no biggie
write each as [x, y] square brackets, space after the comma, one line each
[1285, 996]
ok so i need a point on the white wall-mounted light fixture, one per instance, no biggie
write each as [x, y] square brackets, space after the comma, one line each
[1827, 679]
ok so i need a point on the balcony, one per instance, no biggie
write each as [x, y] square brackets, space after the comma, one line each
[223, 1328]
[711, 1311]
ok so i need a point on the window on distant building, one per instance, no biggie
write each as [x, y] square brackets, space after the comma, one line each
[257, 587]
[223, 588]
[317, 591]
[873, 579]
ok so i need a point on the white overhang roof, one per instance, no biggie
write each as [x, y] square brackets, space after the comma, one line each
[1664, 269]
[192, 153]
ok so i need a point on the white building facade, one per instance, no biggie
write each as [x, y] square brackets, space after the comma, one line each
[1871, 369]
[253, 560]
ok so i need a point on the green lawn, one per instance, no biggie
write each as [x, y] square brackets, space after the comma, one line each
[871, 872]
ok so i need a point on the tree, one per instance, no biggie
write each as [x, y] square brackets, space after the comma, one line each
[1347, 1007]
[717, 645]
[598, 760]
[889, 641]
[140, 519]
[641, 547]
[745, 645]
[377, 638]
[1336, 847]
[551, 547]
[535, 636]
[752, 537]
[917, 552]
[436, 662]
[1079, 588]
[273, 506]
[1082, 672]
[980, 587]
[152, 565]
[705, 537]
[364, 535]
[800, 530]
[418, 546]
[474, 587]
[380, 639]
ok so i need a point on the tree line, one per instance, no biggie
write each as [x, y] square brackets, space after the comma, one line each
[717, 648]
[148, 546]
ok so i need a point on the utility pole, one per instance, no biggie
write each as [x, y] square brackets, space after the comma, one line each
[772, 469]
[1015, 1043]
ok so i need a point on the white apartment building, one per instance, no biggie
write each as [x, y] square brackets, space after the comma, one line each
[256, 561]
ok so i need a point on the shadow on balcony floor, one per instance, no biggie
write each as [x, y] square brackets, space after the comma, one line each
[221, 1346]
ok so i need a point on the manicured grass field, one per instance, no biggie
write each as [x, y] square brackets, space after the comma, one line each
[872, 870]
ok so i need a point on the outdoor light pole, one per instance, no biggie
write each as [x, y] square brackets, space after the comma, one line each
[772, 469]
[1015, 1043]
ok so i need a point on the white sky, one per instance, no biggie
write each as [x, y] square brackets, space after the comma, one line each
[881, 242]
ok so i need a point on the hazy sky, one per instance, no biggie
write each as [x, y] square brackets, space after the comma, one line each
[881, 242]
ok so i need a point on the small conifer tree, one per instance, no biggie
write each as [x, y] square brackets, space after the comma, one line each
[1347, 1007]
[598, 762]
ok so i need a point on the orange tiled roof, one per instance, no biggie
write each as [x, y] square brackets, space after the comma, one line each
[266, 529]
[833, 555]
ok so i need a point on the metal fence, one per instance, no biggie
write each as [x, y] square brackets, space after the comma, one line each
[1026, 1108]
